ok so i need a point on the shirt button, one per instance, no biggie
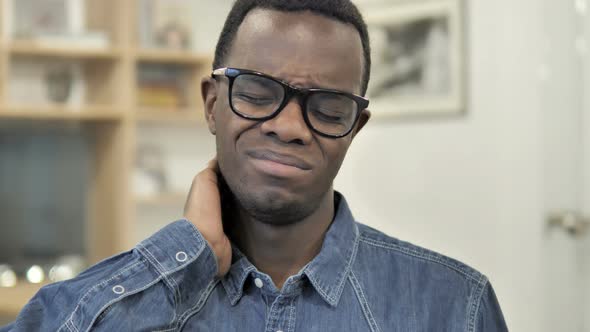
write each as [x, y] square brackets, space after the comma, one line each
[258, 283]
[181, 256]
[118, 289]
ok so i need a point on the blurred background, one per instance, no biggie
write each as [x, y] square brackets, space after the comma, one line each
[479, 144]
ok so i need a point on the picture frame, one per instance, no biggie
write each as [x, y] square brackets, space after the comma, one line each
[418, 58]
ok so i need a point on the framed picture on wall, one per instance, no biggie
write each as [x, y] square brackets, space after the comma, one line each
[418, 58]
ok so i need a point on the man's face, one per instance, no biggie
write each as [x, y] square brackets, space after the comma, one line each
[279, 169]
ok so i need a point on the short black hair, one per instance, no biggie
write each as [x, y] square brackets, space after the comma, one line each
[341, 10]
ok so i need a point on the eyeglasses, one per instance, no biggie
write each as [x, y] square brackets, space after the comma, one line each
[257, 96]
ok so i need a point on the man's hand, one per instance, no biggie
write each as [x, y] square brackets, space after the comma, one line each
[203, 209]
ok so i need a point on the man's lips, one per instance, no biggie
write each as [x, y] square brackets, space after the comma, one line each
[279, 158]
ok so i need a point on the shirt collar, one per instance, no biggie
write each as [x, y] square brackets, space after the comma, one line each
[327, 272]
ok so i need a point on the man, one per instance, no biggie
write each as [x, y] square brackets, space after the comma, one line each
[267, 244]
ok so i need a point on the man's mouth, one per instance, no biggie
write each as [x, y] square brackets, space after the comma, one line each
[278, 164]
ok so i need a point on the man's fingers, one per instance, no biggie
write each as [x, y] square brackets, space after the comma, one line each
[203, 209]
[204, 186]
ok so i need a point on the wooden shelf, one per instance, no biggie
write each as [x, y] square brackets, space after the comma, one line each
[46, 112]
[181, 116]
[31, 48]
[173, 57]
[13, 299]
[163, 199]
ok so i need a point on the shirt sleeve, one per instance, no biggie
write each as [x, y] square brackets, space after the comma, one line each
[490, 317]
[173, 256]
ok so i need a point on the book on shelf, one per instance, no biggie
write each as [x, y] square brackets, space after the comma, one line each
[160, 96]
[162, 86]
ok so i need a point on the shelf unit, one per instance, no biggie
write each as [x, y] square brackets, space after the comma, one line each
[59, 112]
[187, 117]
[29, 48]
[110, 113]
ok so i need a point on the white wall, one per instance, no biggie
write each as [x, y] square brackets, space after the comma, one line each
[586, 165]
[437, 182]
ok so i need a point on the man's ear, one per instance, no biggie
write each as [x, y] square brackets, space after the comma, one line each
[209, 88]
[363, 119]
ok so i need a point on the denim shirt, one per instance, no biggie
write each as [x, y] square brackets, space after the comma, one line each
[362, 280]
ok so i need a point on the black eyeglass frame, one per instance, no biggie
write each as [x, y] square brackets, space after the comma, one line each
[290, 92]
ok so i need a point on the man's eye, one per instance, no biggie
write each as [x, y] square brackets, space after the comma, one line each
[327, 116]
[254, 99]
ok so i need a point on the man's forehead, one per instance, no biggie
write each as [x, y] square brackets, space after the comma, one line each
[297, 22]
[299, 47]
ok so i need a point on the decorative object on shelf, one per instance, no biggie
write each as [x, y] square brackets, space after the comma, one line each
[166, 24]
[149, 177]
[7, 276]
[59, 81]
[46, 81]
[173, 36]
[418, 57]
[162, 86]
[54, 23]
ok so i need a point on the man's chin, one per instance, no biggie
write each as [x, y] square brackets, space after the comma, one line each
[276, 206]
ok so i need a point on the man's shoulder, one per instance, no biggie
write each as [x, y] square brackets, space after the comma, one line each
[429, 289]
[410, 257]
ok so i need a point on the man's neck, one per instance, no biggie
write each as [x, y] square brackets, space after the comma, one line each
[282, 251]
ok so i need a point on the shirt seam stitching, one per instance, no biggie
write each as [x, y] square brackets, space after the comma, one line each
[292, 316]
[237, 292]
[71, 327]
[127, 294]
[342, 280]
[426, 257]
[199, 305]
[364, 303]
[162, 271]
[102, 283]
[165, 272]
[475, 305]
[273, 320]
[166, 330]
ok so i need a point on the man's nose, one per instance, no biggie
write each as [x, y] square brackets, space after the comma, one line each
[289, 125]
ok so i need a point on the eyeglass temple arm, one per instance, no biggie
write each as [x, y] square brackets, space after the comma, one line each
[219, 71]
